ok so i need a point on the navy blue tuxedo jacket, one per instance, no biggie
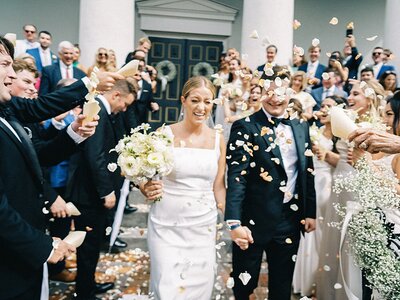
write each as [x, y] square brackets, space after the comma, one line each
[318, 74]
[51, 75]
[249, 197]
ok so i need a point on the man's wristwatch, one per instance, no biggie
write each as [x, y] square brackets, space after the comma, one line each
[233, 225]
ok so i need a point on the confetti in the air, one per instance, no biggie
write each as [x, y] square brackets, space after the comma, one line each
[315, 42]
[254, 35]
[245, 278]
[334, 21]
[371, 38]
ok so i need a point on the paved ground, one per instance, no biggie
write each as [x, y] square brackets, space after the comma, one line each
[129, 270]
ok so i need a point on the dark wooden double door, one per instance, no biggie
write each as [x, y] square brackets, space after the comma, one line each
[184, 54]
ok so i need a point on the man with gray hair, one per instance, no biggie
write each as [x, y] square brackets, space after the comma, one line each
[64, 69]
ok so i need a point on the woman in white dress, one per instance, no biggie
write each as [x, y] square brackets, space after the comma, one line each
[325, 160]
[387, 163]
[298, 82]
[182, 225]
[330, 284]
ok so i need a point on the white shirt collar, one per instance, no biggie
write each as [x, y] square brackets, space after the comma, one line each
[105, 103]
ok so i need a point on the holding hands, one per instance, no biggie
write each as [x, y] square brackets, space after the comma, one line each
[242, 237]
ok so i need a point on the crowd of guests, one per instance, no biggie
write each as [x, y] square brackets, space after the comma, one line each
[68, 156]
[79, 174]
[370, 91]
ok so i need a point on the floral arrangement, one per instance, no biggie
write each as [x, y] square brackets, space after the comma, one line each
[143, 156]
[315, 133]
[374, 225]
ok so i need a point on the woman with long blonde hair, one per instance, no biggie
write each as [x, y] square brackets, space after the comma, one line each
[365, 101]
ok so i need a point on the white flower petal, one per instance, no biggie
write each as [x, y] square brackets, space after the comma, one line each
[112, 167]
[315, 42]
[254, 35]
[371, 38]
[334, 21]
[230, 283]
[245, 278]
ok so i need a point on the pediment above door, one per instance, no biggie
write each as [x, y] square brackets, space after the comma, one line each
[186, 16]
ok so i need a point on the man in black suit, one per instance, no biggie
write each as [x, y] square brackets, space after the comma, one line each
[145, 101]
[93, 188]
[63, 69]
[25, 247]
[270, 195]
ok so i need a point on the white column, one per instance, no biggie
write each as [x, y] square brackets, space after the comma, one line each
[273, 20]
[392, 25]
[106, 23]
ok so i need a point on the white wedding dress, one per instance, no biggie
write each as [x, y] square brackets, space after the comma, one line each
[182, 227]
[329, 277]
[304, 278]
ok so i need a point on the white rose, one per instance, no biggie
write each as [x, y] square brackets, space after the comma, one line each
[155, 158]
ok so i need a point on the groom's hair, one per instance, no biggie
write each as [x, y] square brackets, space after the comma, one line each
[7, 45]
[278, 71]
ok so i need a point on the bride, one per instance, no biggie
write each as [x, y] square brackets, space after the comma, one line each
[182, 225]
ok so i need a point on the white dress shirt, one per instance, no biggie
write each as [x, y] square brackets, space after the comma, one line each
[22, 45]
[376, 69]
[288, 151]
[312, 68]
[45, 56]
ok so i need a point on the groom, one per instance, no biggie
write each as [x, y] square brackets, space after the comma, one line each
[271, 195]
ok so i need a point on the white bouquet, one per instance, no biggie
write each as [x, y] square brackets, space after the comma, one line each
[143, 156]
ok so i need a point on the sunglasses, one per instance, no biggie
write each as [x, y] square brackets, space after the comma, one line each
[377, 53]
[103, 54]
[30, 31]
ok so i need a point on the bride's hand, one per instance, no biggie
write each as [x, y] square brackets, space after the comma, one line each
[152, 190]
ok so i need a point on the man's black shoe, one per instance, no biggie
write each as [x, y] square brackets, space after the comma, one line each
[103, 287]
[120, 243]
[129, 209]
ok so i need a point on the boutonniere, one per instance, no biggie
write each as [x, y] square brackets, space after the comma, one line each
[53, 56]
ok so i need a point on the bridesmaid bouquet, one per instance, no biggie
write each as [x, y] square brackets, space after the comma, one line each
[143, 156]
[372, 222]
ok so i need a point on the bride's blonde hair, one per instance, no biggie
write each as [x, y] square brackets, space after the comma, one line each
[196, 82]
[375, 98]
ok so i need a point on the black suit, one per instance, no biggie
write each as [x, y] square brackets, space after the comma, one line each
[252, 200]
[143, 105]
[22, 181]
[51, 75]
[89, 182]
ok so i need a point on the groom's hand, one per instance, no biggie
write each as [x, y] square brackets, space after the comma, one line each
[309, 225]
[242, 237]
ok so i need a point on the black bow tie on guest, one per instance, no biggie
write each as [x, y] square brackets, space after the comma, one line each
[277, 121]
[5, 111]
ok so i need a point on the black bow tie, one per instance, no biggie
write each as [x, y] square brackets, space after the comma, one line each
[276, 121]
